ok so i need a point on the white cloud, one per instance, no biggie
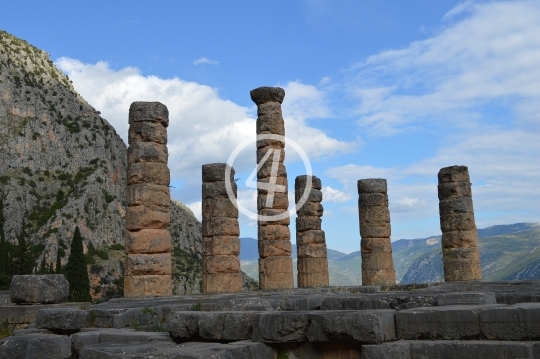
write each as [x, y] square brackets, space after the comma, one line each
[490, 57]
[334, 195]
[205, 61]
[204, 128]
[196, 208]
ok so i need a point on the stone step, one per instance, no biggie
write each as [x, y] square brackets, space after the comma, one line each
[449, 349]
[492, 321]
[35, 345]
[134, 350]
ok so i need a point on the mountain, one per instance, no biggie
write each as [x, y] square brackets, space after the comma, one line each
[62, 166]
[506, 252]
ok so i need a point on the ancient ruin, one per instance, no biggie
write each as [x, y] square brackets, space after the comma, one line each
[376, 248]
[221, 245]
[148, 242]
[461, 257]
[275, 262]
[310, 240]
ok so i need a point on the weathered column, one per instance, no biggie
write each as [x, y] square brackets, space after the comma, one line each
[148, 241]
[310, 240]
[221, 245]
[461, 257]
[376, 248]
[275, 262]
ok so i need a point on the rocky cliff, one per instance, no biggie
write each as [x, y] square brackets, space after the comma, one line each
[62, 166]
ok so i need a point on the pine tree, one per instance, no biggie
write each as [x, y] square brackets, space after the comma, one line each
[76, 272]
[58, 262]
[3, 246]
[23, 258]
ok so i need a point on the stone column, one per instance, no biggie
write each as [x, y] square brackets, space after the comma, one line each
[461, 257]
[275, 262]
[148, 241]
[221, 245]
[376, 248]
[310, 240]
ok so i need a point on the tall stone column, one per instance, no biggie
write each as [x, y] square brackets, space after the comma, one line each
[376, 248]
[221, 245]
[310, 240]
[148, 241]
[275, 262]
[461, 257]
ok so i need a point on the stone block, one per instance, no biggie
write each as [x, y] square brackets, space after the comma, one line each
[311, 209]
[280, 201]
[362, 327]
[265, 94]
[62, 318]
[217, 189]
[148, 172]
[308, 223]
[222, 283]
[313, 279]
[219, 226]
[372, 199]
[142, 217]
[468, 298]
[374, 216]
[515, 322]
[454, 174]
[215, 172]
[221, 245]
[41, 288]
[382, 276]
[310, 237]
[148, 264]
[270, 119]
[454, 322]
[377, 260]
[312, 250]
[148, 241]
[261, 152]
[33, 346]
[456, 206]
[147, 132]
[314, 195]
[300, 182]
[472, 254]
[273, 213]
[147, 152]
[312, 265]
[461, 269]
[375, 232]
[221, 264]
[147, 286]
[280, 181]
[219, 207]
[183, 324]
[148, 195]
[140, 111]
[375, 245]
[271, 248]
[372, 185]
[396, 350]
[272, 280]
[265, 171]
[275, 265]
[460, 239]
[274, 232]
[238, 326]
[280, 327]
[457, 222]
[472, 349]
[454, 190]
[275, 143]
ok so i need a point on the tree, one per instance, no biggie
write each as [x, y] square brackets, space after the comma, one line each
[76, 272]
[58, 262]
[23, 258]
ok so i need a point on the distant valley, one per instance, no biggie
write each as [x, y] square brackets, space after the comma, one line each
[507, 252]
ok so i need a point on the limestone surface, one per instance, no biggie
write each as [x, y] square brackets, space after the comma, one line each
[42, 288]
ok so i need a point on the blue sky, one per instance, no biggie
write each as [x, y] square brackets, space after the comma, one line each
[387, 89]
